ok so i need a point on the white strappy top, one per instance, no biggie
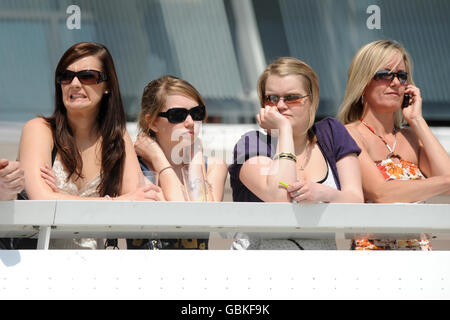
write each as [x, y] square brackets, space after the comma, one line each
[67, 186]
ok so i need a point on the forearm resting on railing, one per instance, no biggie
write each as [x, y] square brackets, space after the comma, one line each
[408, 190]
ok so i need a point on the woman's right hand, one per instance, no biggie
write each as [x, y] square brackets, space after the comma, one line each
[148, 192]
[270, 118]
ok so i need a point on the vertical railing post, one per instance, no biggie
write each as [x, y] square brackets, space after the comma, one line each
[44, 237]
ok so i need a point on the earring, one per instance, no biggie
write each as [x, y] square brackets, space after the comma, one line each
[106, 92]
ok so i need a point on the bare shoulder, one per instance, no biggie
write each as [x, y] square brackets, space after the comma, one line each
[37, 128]
[36, 140]
[353, 129]
[37, 125]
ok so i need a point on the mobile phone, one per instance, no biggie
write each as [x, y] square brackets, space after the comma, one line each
[405, 102]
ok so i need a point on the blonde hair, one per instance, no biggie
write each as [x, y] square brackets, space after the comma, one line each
[154, 99]
[366, 62]
[287, 66]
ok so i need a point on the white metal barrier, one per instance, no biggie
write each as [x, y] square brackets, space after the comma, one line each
[129, 219]
[220, 274]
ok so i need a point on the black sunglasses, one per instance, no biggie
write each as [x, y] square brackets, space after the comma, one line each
[177, 115]
[388, 75]
[88, 77]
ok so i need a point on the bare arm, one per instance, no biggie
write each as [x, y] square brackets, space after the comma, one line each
[377, 189]
[11, 179]
[261, 175]
[433, 160]
[35, 150]
[153, 156]
[350, 178]
[216, 176]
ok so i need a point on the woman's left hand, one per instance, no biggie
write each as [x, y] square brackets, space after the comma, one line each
[306, 192]
[414, 110]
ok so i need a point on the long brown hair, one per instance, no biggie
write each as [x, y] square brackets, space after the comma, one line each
[111, 122]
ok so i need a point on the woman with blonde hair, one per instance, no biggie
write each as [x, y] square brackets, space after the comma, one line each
[398, 163]
[315, 162]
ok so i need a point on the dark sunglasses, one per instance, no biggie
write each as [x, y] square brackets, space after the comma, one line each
[387, 75]
[88, 77]
[177, 115]
[289, 100]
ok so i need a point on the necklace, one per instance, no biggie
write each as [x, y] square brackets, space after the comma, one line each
[305, 158]
[391, 150]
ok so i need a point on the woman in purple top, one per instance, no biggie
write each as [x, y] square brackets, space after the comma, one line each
[317, 162]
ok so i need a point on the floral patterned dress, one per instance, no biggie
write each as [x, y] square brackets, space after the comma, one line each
[394, 168]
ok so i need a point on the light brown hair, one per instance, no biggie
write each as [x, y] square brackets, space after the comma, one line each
[154, 99]
[287, 66]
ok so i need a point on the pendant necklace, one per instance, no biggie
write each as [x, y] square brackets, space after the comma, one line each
[305, 160]
[391, 150]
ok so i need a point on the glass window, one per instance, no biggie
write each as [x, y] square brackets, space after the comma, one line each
[199, 41]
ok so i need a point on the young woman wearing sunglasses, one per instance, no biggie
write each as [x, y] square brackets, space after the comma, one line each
[313, 162]
[83, 150]
[399, 164]
[172, 111]
[170, 120]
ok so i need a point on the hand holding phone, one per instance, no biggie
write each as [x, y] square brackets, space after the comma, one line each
[405, 102]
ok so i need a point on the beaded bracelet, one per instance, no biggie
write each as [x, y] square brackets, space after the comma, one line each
[284, 155]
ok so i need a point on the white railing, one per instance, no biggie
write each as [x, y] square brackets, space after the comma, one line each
[128, 219]
[221, 274]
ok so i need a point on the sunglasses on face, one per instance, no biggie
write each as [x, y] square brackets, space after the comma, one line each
[387, 75]
[178, 115]
[88, 77]
[290, 100]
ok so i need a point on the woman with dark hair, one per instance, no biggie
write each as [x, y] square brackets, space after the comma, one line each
[85, 141]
